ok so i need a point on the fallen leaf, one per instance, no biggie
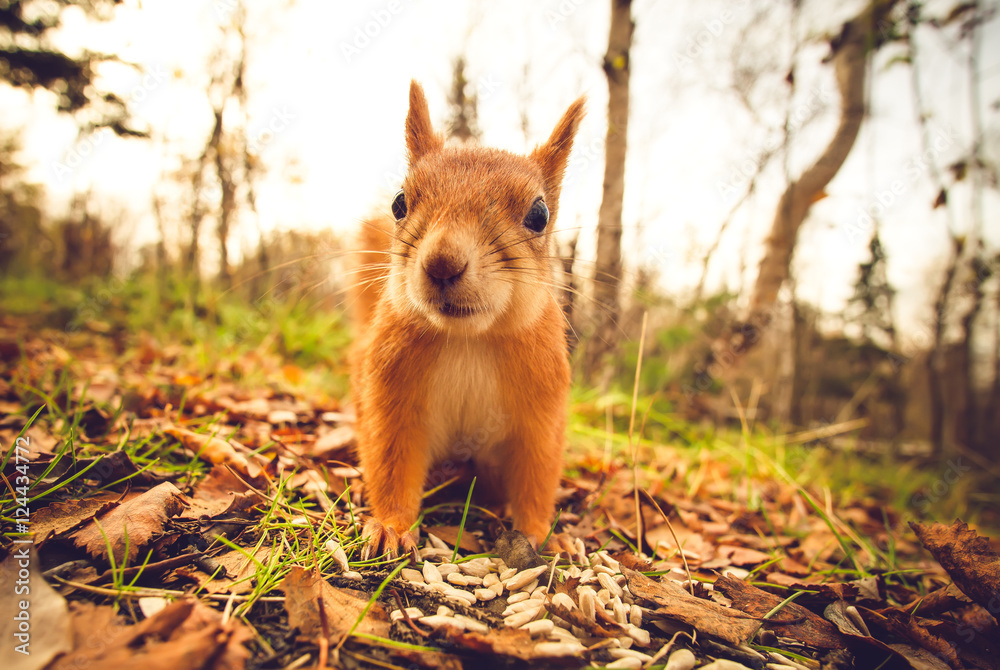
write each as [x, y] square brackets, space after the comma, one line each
[449, 534]
[60, 517]
[303, 591]
[139, 519]
[185, 635]
[807, 627]
[967, 558]
[209, 448]
[705, 616]
[42, 628]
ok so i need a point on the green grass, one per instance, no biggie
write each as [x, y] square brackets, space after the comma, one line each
[224, 331]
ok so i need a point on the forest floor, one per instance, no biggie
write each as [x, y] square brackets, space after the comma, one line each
[180, 497]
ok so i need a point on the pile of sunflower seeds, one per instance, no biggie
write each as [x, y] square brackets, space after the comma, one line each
[601, 586]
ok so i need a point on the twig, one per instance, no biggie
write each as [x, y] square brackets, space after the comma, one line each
[632, 447]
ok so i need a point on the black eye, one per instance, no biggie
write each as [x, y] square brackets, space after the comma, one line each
[399, 206]
[538, 217]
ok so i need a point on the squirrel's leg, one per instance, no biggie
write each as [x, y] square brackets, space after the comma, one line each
[531, 476]
[392, 452]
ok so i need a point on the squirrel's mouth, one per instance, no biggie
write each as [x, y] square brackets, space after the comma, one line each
[456, 311]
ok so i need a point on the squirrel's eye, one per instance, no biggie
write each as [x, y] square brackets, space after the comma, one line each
[399, 206]
[538, 217]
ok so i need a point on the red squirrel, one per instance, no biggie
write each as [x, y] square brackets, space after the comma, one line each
[461, 353]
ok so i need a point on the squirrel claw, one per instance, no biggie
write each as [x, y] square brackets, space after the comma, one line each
[381, 539]
[560, 543]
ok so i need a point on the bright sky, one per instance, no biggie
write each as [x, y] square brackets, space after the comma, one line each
[328, 95]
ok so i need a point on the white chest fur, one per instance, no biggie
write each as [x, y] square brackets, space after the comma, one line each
[465, 418]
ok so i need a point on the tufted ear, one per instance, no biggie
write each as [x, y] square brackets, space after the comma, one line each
[552, 156]
[420, 136]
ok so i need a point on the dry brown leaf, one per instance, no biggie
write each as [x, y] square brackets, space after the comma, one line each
[139, 518]
[213, 449]
[186, 635]
[807, 627]
[905, 626]
[448, 534]
[705, 616]
[33, 635]
[968, 559]
[60, 517]
[742, 556]
[303, 591]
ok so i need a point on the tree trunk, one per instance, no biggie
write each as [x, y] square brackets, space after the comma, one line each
[608, 269]
[850, 53]
[227, 206]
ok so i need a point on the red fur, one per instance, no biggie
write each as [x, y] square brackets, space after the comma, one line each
[488, 387]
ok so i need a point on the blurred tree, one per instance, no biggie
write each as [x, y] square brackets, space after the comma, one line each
[871, 304]
[29, 60]
[463, 121]
[23, 240]
[850, 52]
[608, 267]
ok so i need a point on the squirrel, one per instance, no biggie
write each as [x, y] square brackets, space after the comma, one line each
[460, 355]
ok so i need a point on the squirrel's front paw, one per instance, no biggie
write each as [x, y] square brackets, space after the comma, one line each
[381, 539]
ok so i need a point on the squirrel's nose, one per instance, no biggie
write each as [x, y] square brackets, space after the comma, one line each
[444, 270]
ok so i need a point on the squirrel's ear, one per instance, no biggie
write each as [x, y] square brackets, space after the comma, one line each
[554, 154]
[420, 136]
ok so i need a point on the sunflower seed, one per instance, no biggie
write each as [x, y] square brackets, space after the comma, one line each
[485, 594]
[517, 597]
[603, 569]
[338, 554]
[620, 611]
[520, 607]
[608, 582]
[431, 573]
[540, 627]
[682, 659]
[640, 635]
[436, 542]
[462, 595]
[353, 575]
[588, 602]
[439, 621]
[472, 624]
[524, 577]
[447, 569]
[563, 600]
[608, 561]
[444, 610]
[458, 579]
[629, 653]
[519, 619]
[491, 579]
[413, 612]
[411, 575]
[604, 596]
[497, 588]
[507, 574]
[588, 576]
[635, 615]
[558, 648]
[439, 587]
